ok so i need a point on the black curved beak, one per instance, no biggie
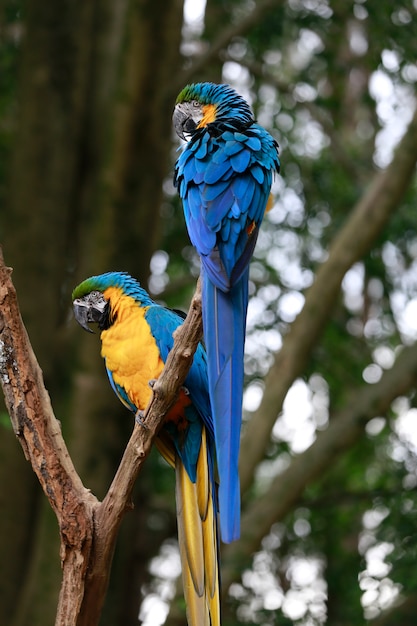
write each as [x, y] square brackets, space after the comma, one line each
[183, 123]
[83, 314]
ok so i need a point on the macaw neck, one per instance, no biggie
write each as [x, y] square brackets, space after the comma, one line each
[220, 126]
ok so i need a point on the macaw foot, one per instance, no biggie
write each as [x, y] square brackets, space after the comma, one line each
[139, 419]
[184, 390]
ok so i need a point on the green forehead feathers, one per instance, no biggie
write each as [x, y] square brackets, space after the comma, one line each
[202, 92]
[187, 94]
[83, 289]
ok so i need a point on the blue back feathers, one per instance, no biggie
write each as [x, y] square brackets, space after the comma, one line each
[224, 176]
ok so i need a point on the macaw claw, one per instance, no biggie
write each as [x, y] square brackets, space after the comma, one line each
[185, 390]
[139, 415]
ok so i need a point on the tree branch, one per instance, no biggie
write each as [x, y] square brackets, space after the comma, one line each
[88, 528]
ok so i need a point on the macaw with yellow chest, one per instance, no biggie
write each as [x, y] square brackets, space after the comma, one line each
[224, 176]
[136, 337]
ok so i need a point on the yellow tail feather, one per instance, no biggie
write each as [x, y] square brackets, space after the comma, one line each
[197, 537]
[165, 448]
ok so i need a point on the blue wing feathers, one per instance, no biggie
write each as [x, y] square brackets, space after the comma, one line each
[216, 270]
[218, 210]
[241, 160]
[232, 147]
[215, 171]
[202, 148]
[163, 322]
[254, 143]
[242, 186]
[240, 137]
[228, 177]
[211, 192]
[258, 173]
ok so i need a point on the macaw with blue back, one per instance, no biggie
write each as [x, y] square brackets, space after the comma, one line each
[136, 337]
[224, 176]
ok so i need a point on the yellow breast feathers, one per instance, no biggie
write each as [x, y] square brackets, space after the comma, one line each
[129, 348]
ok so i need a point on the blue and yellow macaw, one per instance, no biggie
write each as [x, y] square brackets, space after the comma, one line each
[136, 336]
[224, 176]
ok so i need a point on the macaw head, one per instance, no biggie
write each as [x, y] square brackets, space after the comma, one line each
[201, 104]
[95, 299]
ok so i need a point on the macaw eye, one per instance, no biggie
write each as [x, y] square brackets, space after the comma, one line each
[195, 103]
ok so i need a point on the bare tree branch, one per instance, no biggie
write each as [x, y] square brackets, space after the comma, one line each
[362, 228]
[88, 528]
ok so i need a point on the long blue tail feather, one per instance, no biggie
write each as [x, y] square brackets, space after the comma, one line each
[224, 322]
